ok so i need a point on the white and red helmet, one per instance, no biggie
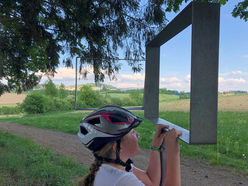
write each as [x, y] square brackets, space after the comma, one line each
[106, 124]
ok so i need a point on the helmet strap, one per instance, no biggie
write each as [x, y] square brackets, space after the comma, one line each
[118, 148]
[118, 161]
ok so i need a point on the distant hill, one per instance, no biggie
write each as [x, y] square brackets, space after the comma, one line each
[95, 86]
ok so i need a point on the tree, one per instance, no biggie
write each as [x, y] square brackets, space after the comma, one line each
[33, 33]
[184, 95]
[241, 10]
[50, 88]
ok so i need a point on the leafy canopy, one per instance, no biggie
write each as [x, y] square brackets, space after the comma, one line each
[33, 34]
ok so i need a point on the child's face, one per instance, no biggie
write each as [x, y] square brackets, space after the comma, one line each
[129, 144]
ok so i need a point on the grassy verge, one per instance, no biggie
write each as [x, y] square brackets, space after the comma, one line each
[25, 163]
[231, 149]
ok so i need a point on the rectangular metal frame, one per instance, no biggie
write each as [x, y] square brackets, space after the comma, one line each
[205, 20]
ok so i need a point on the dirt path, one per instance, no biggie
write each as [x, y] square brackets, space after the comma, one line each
[193, 173]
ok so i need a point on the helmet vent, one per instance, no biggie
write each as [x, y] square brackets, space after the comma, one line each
[83, 130]
[118, 118]
[94, 121]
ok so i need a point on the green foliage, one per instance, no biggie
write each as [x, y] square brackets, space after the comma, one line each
[36, 103]
[63, 104]
[241, 10]
[136, 97]
[89, 98]
[5, 110]
[170, 92]
[127, 101]
[50, 89]
[25, 163]
[116, 101]
[3, 87]
[184, 95]
[62, 92]
[48, 28]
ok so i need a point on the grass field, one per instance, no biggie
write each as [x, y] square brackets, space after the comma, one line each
[230, 103]
[167, 102]
[231, 149]
[25, 163]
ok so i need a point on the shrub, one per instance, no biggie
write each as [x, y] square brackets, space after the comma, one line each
[63, 104]
[89, 98]
[36, 103]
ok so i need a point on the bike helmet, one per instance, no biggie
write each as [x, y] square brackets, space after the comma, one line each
[106, 124]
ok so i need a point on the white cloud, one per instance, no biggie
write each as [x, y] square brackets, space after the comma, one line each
[64, 73]
[175, 83]
[132, 77]
[232, 84]
[233, 73]
[127, 85]
[234, 80]
[245, 56]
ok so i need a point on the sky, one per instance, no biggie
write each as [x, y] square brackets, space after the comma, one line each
[175, 56]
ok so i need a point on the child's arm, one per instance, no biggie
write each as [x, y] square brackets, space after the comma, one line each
[152, 175]
[173, 173]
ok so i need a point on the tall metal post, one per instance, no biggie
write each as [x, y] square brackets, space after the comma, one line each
[204, 73]
[76, 85]
[151, 93]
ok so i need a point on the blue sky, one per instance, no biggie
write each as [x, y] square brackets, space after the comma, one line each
[175, 58]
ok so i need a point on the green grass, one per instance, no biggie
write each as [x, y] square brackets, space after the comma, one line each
[8, 105]
[162, 97]
[231, 149]
[25, 163]
[168, 98]
[58, 121]
[117, 95]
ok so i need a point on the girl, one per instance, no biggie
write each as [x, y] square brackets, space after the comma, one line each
[109, 133]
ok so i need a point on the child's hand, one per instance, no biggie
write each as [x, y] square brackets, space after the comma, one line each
[171, 141]
[159, 135]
